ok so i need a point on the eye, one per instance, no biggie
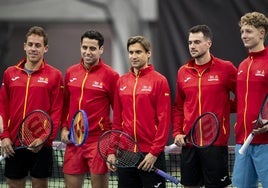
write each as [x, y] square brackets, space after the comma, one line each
[93, 49]
[29, 44]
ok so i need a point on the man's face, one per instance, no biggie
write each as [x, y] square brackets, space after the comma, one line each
[138, 57]
[34, 48]
[198, 44]
[252, 37]
[90, 52]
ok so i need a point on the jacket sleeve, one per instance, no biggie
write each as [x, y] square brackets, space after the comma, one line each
[56, 104]
[4, 107]
[163, 112]
[117, 115]
[177, 111]
[66, 101]
[232, 88]
[113, 81]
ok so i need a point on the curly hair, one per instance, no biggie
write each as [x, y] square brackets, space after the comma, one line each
[255, 19]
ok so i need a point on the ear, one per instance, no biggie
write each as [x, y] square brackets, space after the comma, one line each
[46, 48]
[209, 43]
[149, 53]
[262, 32]
[101, 49]
[24, 46]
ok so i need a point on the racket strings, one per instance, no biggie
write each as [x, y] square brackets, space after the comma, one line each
[263, 118]
[205, 131]
[36, 125]
[79, 128]
[121, 146]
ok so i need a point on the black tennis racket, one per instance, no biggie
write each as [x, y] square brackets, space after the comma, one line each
[262, 120]
[203, 133]
[35, 129]
[79, 128]
[205, 130]
[126, 151]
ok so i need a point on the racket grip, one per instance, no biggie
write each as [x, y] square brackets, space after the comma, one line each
[170, 148]
[246, 144]
[167, 176]
[2, 157]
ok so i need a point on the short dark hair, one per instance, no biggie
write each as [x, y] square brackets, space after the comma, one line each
[203, 29]
[141, 40]
[38, 31]
[93, 34]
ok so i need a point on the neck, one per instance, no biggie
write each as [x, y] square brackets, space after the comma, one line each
[203, 59]
[257, 48]
[32, 66]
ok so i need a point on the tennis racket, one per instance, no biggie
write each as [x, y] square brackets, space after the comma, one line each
[36, 125]
[262, 116]
[79, 128]
[126, 150]
[204, 131]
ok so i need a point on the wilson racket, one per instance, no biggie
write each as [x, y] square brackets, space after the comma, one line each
[205, 130]
[35, 129]
[262, 117]
[79, 128]
[126, 151]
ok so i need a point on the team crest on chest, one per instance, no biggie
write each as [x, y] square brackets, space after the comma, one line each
[42, 80]
[97, 84]
[146, 88]
[212, 78]
[260, 73]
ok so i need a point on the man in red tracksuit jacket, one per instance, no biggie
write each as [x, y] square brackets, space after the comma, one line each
[142, 110]
[30, 85]
[203, 85]
[252, 87]
[89, 86]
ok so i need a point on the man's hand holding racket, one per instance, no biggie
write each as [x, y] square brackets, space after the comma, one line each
[180, 140]
[78, 132]
[120, 150]
[6, 148]
[34, 131]
[147, 163]
[262, 129]
[260, 125]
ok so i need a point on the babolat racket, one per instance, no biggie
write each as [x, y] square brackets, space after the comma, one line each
[203, 133]
[79, 128]
[126, 151]
[261, 121]
[205, 130]
[35, 129]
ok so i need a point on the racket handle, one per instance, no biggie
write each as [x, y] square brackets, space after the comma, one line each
[2, 157]
[246, 144]
[167, 176]
[170, 148]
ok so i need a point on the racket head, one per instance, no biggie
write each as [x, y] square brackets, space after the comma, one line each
[263, 114]
[122, 146]
[205, 130]
[79, 128]
[36, 124]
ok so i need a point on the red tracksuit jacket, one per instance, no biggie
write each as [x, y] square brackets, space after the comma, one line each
[208, 91]
[142, 109]
[22, 93]
[252, 87]
[90, 90]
